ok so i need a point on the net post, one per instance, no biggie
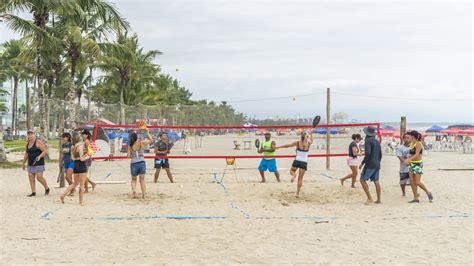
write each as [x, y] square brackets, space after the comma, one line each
[94, 134]
[379, 134]
[328, 133]
[403, 127]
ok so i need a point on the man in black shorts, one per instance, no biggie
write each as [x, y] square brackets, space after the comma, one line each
[162, 148]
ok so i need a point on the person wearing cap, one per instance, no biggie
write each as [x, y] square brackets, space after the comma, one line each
[268, 148]
[34, 155]
[371, 164]
[86, 138]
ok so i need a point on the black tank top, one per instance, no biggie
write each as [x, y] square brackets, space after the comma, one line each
[34, 152]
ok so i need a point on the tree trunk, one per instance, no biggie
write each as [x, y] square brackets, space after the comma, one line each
[48, 116]
[28, 111]
[89, 95]
[15, 106]
[3, 155]
[60, 132]
[71, 96]
[122, 109]
[42, 102]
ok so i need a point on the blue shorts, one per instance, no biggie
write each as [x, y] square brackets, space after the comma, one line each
[270, 165]
[137, 169]
[372, 174]
[69, 165]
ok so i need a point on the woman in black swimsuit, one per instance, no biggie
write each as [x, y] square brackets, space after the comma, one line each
[79, 156]
[34, 154]
[86, 138]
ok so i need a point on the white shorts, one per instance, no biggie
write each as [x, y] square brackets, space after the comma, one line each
[352, 161]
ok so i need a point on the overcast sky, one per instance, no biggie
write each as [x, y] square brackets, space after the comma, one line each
[254, 49]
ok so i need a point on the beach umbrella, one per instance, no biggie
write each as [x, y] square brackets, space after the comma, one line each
[435, 129]
[322, 130]
[388, 128]
[469, 131]
[461, 126]
[451, 131]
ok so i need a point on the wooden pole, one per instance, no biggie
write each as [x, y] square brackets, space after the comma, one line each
[403, 127]
[328, 133]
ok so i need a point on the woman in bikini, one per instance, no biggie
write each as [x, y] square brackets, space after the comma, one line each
[300, 163]
[86, 138]
[415, 163]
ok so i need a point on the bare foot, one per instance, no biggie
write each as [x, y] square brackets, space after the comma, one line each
[143, 196]
[134, 195]
[297, 196]
[93, 186]
[62, 199]
[342, 181]
[353, 187]
[263, 181]
[368, 202]
[378, 202]
[82, 204]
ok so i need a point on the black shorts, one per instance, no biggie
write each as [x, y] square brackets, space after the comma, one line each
[80, 167]
[300, 164]
[162, 163]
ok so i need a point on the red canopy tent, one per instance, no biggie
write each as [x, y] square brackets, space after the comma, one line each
[452, 131]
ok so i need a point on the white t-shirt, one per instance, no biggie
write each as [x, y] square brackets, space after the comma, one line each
[404, 152]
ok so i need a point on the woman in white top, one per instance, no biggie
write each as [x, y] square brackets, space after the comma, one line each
[301, 159]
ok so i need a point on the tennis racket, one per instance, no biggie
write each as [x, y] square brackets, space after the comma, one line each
[257, 143]
[316, 121]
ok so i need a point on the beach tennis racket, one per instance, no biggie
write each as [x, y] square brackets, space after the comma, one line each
[257, 143]
[316, 121]
[36, 160]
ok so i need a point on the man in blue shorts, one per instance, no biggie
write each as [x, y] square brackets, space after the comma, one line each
[371, 164]
[268, 148]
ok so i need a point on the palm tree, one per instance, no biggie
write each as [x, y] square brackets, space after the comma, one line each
[129, 73]
[3, 108]
[95, 20]
[35, 33]
[12, 68]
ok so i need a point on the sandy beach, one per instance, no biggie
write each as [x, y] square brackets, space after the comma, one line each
[200, 221]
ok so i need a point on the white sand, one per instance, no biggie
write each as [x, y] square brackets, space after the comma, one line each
[280, 228]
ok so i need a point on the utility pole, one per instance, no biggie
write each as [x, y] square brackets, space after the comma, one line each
[328, 133]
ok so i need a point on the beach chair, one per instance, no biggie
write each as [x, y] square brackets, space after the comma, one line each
[236, 145]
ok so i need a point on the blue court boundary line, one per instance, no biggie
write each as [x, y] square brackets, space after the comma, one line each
[162, 217]
[227, 195]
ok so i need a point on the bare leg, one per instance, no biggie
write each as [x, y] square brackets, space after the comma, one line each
[352, 175]
[31, 178]
[403, 190]
[170, 176]
[40, 178]
[277, 175]
[70, 189]
[68, 176]
[157, 174]
[82, 183]
[262, 174]
[367, 191]
[293, 174]
[378, 189]
[93, 184]
[420, 184]
[413, 186]
[134, 187]
[300, 181]
[143, 186]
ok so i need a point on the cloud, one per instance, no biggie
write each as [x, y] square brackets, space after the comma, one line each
[237, 50]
